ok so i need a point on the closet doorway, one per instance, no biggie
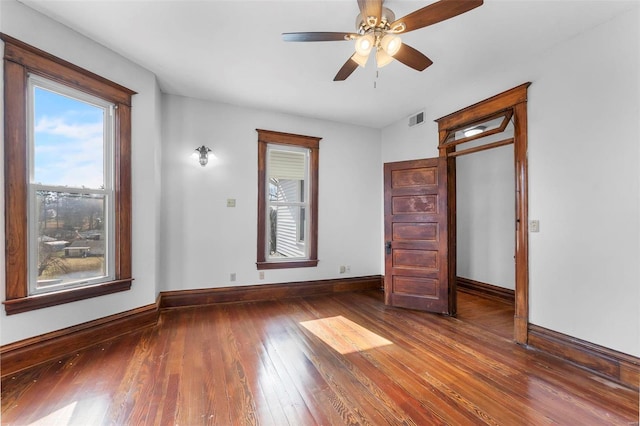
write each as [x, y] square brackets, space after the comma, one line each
[488, 142]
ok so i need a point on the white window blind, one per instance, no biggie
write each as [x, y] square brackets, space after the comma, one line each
[287, 165]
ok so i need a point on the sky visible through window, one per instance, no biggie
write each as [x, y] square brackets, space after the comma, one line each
[69, 141]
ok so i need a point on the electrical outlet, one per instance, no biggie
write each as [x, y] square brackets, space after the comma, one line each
[347, 269]
[261, 275]
[232, 276]
[231, 202]
[534, 226]
[343, 269]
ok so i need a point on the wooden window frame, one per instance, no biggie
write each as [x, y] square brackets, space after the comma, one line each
[20, 60]
[266, 137]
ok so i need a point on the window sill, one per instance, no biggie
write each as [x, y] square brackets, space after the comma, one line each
[287, 264]
[30, 303]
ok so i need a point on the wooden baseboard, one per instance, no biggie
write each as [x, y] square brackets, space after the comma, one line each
[485, 290]
[27, 353]
[254, 293]
[18, 356]
[617, 366]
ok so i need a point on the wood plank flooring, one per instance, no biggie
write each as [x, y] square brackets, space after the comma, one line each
[327, 360]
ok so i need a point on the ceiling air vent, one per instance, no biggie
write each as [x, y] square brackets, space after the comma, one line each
[416, 119]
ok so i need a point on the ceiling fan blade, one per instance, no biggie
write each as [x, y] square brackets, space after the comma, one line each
[370, 8]
[412, 58]
[435, 12]
[346, 70]
[317, 36]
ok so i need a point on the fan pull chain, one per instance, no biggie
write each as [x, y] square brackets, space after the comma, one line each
[375, 82]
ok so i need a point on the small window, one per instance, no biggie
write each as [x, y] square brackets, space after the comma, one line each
[287, 173]
[287, 200]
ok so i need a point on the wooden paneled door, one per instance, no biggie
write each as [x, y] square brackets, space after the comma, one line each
[416, 247]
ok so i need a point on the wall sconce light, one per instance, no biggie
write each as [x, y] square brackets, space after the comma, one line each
[203, 155]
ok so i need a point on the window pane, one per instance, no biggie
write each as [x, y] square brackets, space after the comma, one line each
[286, 190]
[68, 141]
[70, 237]
[285, 229]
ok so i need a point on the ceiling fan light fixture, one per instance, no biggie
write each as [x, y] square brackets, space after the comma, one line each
[391, 44]
[360, 59]
[364, 44]
[377, 31]
[382, 58]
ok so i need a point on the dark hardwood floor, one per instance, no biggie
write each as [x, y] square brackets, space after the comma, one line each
[331, 360]
[491, 314]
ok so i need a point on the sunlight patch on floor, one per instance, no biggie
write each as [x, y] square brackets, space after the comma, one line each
[344, 335]
[62, 416]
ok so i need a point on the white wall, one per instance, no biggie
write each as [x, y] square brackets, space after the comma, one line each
[203, 241]
[584, 172]
[485, 222]
[33, 28]
[583, 187]
[401, 142]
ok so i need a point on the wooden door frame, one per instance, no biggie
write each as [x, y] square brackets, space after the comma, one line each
[513, 101]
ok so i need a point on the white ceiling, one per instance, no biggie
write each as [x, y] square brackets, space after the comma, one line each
[232, 52]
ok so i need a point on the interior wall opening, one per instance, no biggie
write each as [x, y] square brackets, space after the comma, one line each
[458, 134]
[485, 217]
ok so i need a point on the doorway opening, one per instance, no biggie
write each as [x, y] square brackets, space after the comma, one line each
[485, 214]
[497, 124]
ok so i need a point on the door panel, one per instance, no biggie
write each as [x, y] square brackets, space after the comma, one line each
[415, 231]
[416, 270]
[418, 260]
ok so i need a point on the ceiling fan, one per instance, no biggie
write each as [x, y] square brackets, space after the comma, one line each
[378, 30]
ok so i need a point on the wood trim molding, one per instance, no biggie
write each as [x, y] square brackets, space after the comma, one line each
[281, 138]
[266, 137]
[511, 103]
[44, 63]
[27, 353]
[483, 109]
[613, 365]
[29, 303]
[497, 144]
[285, 265]
[486, 290]
[254, 293]
[14, 357]
[20, 60]
[15, 195]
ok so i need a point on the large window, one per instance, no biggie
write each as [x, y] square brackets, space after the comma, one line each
[67, 187]
[70, 136]
[287, 200]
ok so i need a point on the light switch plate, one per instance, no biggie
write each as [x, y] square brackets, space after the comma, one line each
[534, 226]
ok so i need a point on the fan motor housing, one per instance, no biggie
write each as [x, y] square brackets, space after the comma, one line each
[387, 17]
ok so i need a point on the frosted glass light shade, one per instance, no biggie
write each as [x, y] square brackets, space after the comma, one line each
[360, 59]
[364, 44]
[382, 59]
[391, 44]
